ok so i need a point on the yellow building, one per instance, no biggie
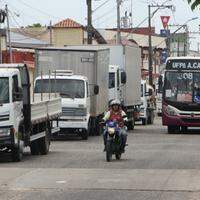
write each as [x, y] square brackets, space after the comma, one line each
[67, 32]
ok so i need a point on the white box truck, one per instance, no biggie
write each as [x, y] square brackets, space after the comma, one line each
[24, 120]
[124, 76]
[82, 79]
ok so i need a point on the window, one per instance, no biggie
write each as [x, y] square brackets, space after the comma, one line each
[68, 88]
[14, 86]
[4, 90]
[111, 80]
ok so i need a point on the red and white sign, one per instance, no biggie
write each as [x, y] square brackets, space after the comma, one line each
[165, 20]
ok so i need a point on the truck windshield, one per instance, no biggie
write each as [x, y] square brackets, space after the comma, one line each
[68, 88]
[182, 87]
[4, 90]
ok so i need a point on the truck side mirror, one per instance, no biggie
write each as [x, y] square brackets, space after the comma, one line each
[150, 92]
[123, 77]
[96, 89]
[18, 95]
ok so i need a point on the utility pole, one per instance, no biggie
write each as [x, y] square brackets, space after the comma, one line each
[118, 22]
[8, 30]
[150, 50]
[89, 21]
[150, 39]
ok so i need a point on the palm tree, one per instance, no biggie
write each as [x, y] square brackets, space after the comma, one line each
[194, 3]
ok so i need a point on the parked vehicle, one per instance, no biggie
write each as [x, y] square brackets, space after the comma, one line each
[181, 107]
[113, 142]
[89, 73]
[148, 104]
[24, 121]
[74, 90]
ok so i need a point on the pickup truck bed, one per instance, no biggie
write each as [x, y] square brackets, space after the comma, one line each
[47, 108]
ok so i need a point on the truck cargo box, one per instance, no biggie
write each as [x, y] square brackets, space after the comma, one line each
[92, 62]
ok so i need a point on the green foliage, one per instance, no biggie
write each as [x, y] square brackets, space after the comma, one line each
[36, 25]
[194, 3]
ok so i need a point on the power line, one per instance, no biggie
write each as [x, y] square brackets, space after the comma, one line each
[97, 8]
[104, 14]
[37, 9]
[22, 31]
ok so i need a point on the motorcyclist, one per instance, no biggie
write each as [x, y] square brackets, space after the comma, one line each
[116, 113]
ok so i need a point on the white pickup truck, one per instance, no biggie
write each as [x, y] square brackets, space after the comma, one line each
[24, 121]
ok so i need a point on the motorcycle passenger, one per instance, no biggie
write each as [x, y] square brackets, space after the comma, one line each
[116, 113]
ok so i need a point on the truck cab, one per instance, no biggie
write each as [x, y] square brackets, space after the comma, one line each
[11, 105]
[147, 106]
[75, 95]
[117, 79]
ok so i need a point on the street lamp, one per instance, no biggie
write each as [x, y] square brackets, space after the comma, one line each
[150, 41]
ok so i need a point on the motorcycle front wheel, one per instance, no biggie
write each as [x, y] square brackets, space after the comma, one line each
[108, 151]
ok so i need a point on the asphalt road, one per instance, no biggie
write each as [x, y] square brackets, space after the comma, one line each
[156, 165]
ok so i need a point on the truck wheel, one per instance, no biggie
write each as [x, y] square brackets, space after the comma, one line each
[150, 118]
[85, 134]
[34, 147]
[131, 125]
[144, 121]
[44, 143]
[17, 154]
[173, 129]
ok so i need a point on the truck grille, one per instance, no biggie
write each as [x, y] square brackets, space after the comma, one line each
[4, 118]
[73, 111]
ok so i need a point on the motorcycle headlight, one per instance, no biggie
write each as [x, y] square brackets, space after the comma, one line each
[111, 131]
[4, 132]
[171, 111]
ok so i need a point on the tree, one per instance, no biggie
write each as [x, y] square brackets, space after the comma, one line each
[36, 25]
[194, 3]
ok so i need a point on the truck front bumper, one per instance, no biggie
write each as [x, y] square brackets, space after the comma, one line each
[189, 120]
[71, 124]
[6, 141]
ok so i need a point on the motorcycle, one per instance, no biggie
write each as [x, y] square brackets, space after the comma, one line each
[113, 142]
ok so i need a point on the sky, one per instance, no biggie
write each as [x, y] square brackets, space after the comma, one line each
[26, 12]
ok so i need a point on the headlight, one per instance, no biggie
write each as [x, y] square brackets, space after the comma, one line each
[171, 111]
[4, 132]
[111, 131]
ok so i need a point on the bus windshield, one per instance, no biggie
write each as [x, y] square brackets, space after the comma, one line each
[182, 87]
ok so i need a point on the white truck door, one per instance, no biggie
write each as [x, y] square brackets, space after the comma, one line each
[17, 102]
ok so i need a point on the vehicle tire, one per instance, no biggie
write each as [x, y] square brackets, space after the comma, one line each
[108, 151]
[150, 118]
[144, 121]
[34, 147]
[131, 125]
[17, 154]
[44, 143]
[184, 129]
[173, 129]
[85, 134]
[118, 156]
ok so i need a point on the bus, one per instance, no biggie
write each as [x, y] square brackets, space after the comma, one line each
[181, 94]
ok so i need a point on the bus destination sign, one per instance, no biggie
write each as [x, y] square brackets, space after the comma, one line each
[187, 64]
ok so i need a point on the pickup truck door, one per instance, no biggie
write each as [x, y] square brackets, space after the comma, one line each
[17, 103]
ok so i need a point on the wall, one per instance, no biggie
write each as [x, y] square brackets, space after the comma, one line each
[67, 36]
